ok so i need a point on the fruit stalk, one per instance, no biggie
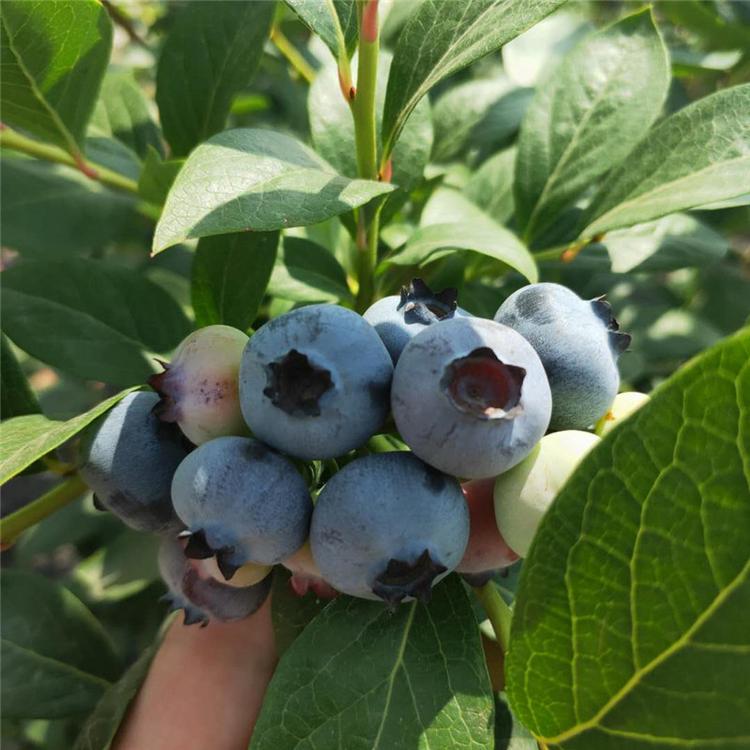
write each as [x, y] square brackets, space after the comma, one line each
[14, 524]
[498, 612]
[365, 135]
[10, 139]
[295, 59]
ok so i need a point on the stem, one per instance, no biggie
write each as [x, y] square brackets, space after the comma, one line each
[10, 139]
[37, 510]
[498, 612]
[365, 136]
[294, 58]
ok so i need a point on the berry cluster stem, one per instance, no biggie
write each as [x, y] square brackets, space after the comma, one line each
[13, 140]
[498, 612]
[366, 140]
[37, 510]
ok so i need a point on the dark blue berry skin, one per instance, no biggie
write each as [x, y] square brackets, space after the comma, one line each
[314, 383]
[204, 598]
[128, 458]
[243, 501]
[400, 317]
[388, 526]
[578, 342]
[470, 397]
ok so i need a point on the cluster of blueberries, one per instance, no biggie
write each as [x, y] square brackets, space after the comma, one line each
[253, 452]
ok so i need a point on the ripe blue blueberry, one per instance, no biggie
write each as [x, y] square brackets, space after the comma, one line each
[470, 397]
[128, 458]
[388, 526]
[242, 502]
[578, 342]
[314, 383]
[203, 597]
[198, 388]
[398, 318]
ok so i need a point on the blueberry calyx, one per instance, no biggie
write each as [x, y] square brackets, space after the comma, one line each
[98, 504]
[164, 384]
[482, 385]
[401, 579]
[618, 340]
[198, 548]
[296, 385]
[421, 305]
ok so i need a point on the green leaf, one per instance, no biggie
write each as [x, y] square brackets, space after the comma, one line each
[25, 439]
[491, 186]
[676, 241]
[510, 734]
[258, 180]
[477, 117]
[334, 21]
[307, 272]
[588, 116]
[157, 177]
[101, 726]
[122, 113]
[630, 624]
[332, 127]
[54, 55]
[79, 215]
[230, 276]
[16, 396]
[442, 37]
[291, 614]
[90, 318]
[359, 676]
[495, 242]
[210, 54]
[699, 155]
[57, 660]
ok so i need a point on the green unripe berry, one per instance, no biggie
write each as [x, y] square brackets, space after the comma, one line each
[622, 407]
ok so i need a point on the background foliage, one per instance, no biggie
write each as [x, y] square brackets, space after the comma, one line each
[607, 148]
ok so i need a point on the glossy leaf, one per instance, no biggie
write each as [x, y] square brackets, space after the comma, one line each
[290, 613]
[307, 272]
[54, 55]
[332, 128]
[361, 676]
[699, 155]
[92, 319]
[477, 117]
[442, 37]
[496, 242]
[57, 660]
[54, 212]
[333, 21]
[100, 728]
[629, 629]
[491, 186]
[230, 276]
[27, 438]
[258, 180]
[16, 396]
[122, 113]
[210, 54]
[157, 177]
[588, 116]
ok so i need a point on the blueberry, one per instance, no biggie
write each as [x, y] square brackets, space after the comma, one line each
[314, 383]
[470, 397]
[128, 458]
[306, 575]
[487, 550]
[622, 407]
[523, 494]
[578, 342]
[199, 387]
[388, 526]
[242, 502]
[399, 318]
[194, 589]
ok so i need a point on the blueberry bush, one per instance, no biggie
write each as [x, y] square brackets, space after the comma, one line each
[425, 320]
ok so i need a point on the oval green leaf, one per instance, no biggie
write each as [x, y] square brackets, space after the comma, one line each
[630, 624]
[258, 180]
